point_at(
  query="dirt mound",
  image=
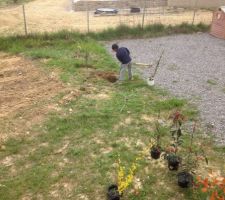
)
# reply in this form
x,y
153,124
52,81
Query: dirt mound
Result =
x,y
109,76
25,93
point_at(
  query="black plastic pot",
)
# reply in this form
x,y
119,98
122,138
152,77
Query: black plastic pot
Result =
x,y
155,152
113,193
173,162
185,179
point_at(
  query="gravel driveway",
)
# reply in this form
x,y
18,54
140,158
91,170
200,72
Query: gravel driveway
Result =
x,y
193,67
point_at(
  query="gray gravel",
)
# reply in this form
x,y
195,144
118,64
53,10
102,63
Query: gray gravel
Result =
x,y
193,67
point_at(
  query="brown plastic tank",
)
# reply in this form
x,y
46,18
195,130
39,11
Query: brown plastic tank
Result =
x,y
218,23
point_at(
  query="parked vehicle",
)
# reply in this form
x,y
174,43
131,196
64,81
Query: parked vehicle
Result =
x,y
106,11
135,10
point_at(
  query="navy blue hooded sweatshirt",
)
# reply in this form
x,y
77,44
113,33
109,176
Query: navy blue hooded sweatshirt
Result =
x,y
123,55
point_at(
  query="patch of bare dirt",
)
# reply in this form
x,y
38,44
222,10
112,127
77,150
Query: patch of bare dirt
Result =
x,y
101,96
148,118
69,97
128,142
106,150
7,161
63,149
109,76
83,197
89,90
23,84
126,122
26,95
62,188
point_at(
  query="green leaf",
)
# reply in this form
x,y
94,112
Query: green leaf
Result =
x,y
179,133
206,160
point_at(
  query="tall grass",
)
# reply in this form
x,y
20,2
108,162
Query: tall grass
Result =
x,y
10,2
120,32
154,30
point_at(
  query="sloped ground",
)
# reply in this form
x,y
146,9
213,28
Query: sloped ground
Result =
x,y
73,152
193,67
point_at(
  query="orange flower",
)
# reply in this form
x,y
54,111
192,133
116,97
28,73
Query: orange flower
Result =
x,y
199,179
215,181
204,190
212,196
213,185
206,183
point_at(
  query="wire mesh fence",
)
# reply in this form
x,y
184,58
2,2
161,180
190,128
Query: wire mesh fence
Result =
x,y
52,16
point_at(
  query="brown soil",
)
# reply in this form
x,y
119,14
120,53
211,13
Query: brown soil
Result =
x,y
109,76
26,93
23,84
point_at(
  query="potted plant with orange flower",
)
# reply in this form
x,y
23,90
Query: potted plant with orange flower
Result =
x,y
213,186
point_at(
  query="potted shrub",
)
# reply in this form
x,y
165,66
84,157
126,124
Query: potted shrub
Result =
x,y
155,152
113,192
156,149
184,179
194,155
173,161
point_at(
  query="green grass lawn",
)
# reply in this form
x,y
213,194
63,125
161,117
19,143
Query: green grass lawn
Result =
x,y
73,155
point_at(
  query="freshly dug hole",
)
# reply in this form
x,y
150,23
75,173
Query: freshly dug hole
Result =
x,y
109,76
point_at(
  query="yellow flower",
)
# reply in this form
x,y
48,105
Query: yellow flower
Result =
x,y
124,181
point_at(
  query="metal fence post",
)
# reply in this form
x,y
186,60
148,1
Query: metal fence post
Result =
x,y
143,17
194,14
24,19
88,20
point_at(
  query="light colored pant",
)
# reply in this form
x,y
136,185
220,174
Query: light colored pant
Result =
x,y
123,69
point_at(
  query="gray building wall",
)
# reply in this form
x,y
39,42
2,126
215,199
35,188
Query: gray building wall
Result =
x,y
120,4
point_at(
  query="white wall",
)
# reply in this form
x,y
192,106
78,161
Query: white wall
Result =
x,y
200,3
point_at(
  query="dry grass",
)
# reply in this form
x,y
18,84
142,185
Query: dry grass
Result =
x,y
52,16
